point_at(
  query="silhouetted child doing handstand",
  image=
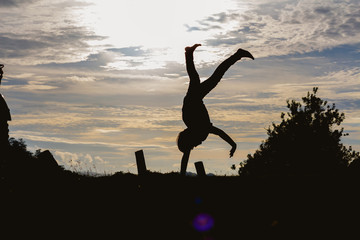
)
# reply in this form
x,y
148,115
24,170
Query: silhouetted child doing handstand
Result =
x,y
194,112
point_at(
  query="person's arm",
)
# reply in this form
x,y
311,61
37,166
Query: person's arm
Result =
x,y
225,137
184,162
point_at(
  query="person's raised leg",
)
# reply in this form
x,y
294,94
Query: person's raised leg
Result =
x,y
190,67
192,48
219,72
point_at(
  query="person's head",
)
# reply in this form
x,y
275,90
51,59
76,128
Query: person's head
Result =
x,y
188,139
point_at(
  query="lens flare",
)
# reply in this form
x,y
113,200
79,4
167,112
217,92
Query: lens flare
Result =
x,y
198,200
203,222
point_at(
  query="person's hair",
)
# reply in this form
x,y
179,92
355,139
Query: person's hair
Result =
x,y
184,140
188,139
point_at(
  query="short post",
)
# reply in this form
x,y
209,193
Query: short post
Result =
x,y
140,162
200,169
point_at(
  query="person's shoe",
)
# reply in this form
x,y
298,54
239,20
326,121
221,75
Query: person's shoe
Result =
x,y
243,53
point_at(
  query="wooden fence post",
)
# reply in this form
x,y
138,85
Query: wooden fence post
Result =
x,y
200,169
140,162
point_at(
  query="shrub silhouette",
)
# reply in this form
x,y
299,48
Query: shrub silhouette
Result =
x,y
18,162
307,141
19,146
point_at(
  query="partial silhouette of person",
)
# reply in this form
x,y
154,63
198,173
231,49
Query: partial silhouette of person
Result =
x,y
4,118
1,72
194,112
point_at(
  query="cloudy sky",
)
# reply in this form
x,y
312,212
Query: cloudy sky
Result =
x,y
95,81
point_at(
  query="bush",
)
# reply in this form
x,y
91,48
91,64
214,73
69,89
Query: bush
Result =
x,y
307,141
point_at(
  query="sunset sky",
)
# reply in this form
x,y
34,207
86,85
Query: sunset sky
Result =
x,y
95,81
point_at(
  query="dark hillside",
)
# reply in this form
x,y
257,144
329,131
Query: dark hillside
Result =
x,y
165,206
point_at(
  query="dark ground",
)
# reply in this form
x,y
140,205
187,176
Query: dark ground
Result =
x,y
164,206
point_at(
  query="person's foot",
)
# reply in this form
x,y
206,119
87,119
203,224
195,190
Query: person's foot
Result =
x,y
243,53
192,49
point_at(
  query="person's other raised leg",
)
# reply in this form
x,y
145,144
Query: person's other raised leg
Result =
x,y
219,72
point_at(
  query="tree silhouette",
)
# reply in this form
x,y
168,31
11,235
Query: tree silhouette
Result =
x,y
307,141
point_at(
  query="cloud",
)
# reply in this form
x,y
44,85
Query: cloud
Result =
x,y
79,161
215,21
137,51
15,3
35,37
93,62
7,3
191,28
287,27
65,157
81,79
16,47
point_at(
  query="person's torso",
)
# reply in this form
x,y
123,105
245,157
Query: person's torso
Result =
x,y
195,114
